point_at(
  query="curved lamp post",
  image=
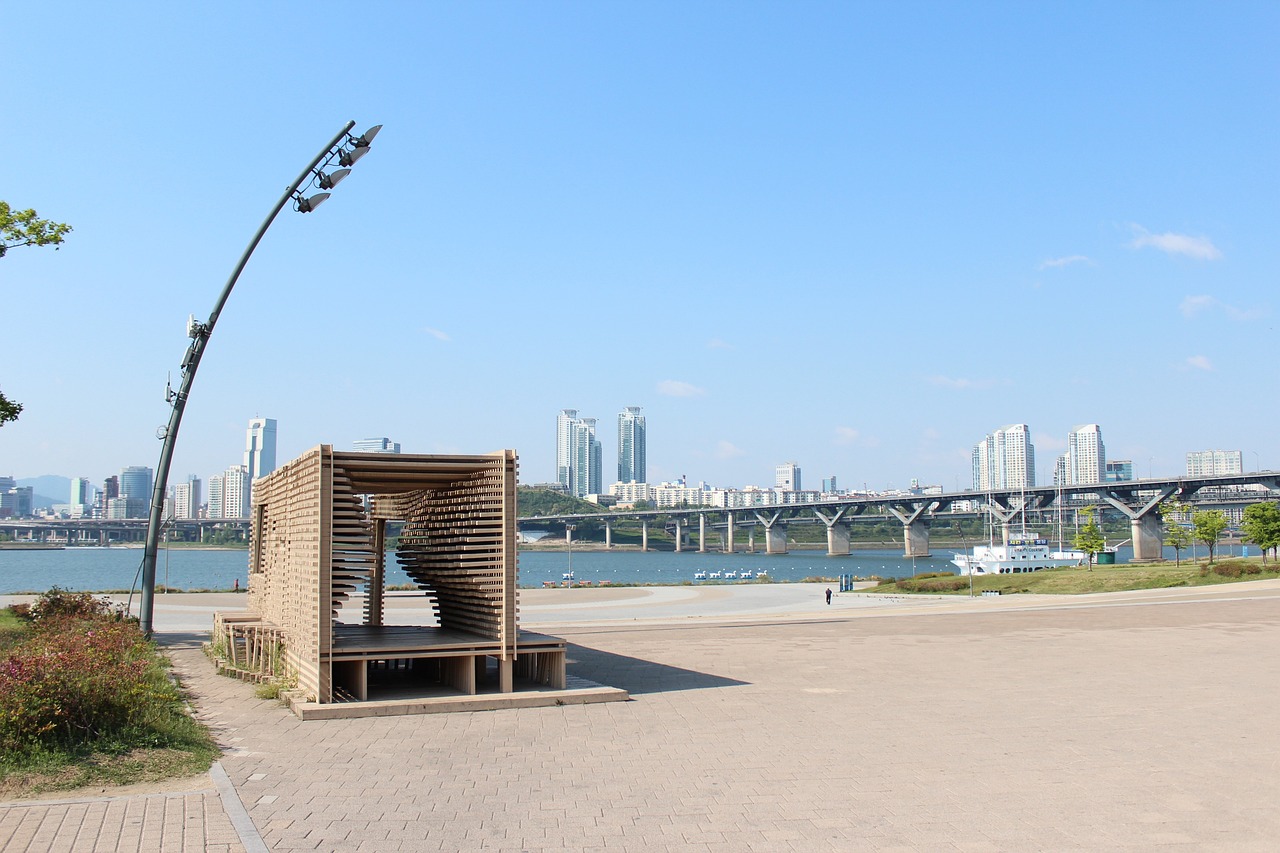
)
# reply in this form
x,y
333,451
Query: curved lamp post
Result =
x,y
344,150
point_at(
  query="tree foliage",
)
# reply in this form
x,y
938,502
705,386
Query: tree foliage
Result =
x,y
1207,526
1176,536
1261,525
9,409
1089,537
25,228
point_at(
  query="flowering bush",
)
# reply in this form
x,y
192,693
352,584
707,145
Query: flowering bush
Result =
x,y
81,675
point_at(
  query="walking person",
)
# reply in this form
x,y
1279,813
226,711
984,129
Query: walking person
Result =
x,y
828,596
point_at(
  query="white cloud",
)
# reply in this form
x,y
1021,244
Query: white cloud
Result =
x,y
728,450
1064,261
960,383
1199,248
846,435
1199,362
1193,305
437,334
676,388
716,343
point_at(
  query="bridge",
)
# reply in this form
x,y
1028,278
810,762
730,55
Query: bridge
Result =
x,y
1136,500
104,531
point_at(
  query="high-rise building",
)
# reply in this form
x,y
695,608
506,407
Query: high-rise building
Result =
x,y
1086,456
135,485
564,447
186,498
215,497
829,486
237,489
631,446
376,445
260,449
1005,459
81,500
787,477
1214,463
579,460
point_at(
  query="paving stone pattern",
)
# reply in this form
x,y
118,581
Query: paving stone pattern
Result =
x,y
1124,723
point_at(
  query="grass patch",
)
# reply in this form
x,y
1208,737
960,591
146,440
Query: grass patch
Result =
x,y
1079,581
86,699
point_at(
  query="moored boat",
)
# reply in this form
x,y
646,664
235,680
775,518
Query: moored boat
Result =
x,y
1024,553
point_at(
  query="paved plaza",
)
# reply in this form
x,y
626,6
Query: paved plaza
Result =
x,y
762,719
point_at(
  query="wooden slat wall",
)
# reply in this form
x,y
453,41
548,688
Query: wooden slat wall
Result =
x,y
313,544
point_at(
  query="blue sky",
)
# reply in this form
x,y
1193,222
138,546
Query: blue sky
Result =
x,y
856,236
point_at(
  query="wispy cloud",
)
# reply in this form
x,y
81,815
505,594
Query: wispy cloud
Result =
x,y
1198,248
728,450
1067,261
716,343
1199,362
960,383
676,388
437,334
846,435
1193,305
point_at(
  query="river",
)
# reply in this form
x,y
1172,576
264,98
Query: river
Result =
x,y
97,569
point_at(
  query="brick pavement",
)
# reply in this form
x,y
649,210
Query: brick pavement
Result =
x,y
1132,722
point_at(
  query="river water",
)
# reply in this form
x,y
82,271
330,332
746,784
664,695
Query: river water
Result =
x,y
97,569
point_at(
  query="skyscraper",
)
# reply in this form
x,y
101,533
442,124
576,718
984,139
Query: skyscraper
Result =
x,y
135,484
215,497
376,445
186,498
787,477
1005,459
260,449
564,447
1085,461
631,446
578,454
237,489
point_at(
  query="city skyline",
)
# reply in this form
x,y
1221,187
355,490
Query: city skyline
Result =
x,y
705,168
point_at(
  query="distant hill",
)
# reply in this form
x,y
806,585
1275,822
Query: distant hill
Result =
x,y
543,502
49,489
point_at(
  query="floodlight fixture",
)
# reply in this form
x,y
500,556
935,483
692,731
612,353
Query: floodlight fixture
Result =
x,y
310,203
350,158
329,181
366,139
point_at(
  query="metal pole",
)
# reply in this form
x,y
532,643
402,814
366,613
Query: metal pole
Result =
x,y
190,362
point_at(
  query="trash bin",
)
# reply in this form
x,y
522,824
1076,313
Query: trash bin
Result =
x,y
1106,558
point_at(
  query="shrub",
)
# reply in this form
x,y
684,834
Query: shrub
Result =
x,y
79,678
62,603
943,583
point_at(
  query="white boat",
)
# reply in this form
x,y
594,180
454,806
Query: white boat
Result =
x,y
1024,553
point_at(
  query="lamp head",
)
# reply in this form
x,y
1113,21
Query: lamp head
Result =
x,y
350,158
328,182
306,205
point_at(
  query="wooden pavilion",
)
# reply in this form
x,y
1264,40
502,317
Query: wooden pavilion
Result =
x,y
317,546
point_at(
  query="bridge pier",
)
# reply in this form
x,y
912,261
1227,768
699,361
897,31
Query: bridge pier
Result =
x,y
775,534
644,535
915,527
608,535
728,533
679,534
702,533
837,533
751,540
1145,524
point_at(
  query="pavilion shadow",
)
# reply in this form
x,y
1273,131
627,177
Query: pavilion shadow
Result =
x,y
638,676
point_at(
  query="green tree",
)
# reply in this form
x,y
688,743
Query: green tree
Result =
x,y
9,410
1089,537
24,228
1176,536
1207,526
1261,525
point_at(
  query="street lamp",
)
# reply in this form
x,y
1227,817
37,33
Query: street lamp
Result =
x,y
568,541
344,149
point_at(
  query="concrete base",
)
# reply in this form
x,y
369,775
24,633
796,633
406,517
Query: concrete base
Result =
x,y
579,692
